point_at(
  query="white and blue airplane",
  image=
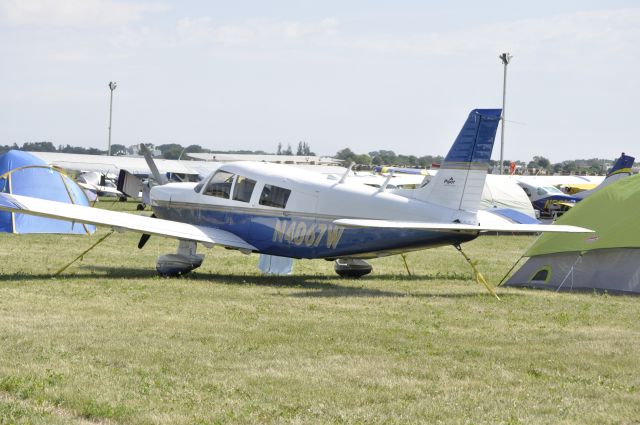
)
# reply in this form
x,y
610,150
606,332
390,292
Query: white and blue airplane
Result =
x,y
282,211
552,202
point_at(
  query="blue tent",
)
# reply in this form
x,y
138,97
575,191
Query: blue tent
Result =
x,y
24,174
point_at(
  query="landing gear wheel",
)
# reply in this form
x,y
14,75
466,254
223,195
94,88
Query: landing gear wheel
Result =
x,y
352,268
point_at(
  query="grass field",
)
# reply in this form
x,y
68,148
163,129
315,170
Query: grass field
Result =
x,y
110,342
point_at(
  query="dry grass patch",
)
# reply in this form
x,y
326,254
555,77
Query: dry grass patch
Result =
x,y
111,342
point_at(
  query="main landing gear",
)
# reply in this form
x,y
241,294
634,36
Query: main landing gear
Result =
x,y
352,267
182,262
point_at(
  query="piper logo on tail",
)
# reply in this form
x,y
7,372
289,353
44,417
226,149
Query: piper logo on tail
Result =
x,y
450,181
299,233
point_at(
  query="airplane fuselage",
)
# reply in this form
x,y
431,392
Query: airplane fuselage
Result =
x,y
303,225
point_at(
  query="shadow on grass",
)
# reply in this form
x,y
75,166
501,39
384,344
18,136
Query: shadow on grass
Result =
x,y
313,285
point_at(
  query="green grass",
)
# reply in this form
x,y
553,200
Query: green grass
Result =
x,y
110,342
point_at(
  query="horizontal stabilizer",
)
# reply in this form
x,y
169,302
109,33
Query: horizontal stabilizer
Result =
x,y
121,221
446,227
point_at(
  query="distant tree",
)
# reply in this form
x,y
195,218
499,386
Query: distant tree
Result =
x,y
362,159
557,168
39,147
288,150
117,149
195,149
171,150
384,157
569,167
304,149
6,148
345,154
279,151
542,162
173,153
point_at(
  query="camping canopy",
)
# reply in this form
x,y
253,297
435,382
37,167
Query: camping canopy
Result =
x,y
503,192
612,212
607,260
23,174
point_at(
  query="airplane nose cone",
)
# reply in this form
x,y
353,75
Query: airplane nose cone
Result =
x,y
159,193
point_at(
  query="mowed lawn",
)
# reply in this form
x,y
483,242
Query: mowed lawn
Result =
x,y
110,342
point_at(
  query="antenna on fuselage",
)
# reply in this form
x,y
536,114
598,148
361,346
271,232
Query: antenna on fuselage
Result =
x,y
386,182
346,173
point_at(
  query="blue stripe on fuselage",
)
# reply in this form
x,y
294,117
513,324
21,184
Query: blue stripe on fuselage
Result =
x,y
309,237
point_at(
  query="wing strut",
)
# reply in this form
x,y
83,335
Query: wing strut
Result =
x,y
83,253
479,278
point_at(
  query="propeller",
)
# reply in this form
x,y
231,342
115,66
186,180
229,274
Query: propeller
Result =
x,y
145,237
160,178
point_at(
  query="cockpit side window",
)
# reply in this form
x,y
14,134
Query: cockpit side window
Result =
x,y
219,185
243,189
274,196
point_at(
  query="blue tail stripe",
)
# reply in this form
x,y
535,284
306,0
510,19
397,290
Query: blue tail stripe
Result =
x,y
475,141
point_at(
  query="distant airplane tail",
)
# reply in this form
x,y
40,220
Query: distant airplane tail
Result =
x,y
460,179
621,169
623,165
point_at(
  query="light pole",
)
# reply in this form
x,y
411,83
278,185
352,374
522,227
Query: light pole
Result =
x,y
506,58
112,87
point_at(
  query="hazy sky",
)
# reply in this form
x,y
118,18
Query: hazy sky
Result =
x,y
367,75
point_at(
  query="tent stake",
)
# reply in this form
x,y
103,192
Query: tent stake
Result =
x,y
479,278
83,253
406,266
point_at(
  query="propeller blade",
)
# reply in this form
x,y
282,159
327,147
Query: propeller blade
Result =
x,y
145,237
161,179
143,240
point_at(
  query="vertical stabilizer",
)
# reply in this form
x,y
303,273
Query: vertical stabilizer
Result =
x,y
622,166
460,180
621,169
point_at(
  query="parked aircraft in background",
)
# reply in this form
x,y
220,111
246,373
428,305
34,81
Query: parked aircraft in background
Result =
x,y
282,211
96,184
552,202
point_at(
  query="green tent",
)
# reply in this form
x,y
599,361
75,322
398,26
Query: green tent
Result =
x,y
607,260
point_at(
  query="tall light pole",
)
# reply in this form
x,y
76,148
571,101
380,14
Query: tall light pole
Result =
x,y
506,58
112,87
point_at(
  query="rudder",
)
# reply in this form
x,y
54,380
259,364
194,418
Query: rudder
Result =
x,y
460,180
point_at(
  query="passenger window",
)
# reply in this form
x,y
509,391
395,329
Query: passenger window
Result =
x,y
243,189
220,185
274,196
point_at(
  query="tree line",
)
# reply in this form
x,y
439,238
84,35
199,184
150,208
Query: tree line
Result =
x,y
379,157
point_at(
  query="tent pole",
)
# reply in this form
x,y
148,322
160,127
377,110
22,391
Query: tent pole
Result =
x,y
510,270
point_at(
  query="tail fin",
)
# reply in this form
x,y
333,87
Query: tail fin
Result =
x,y
460,180
622,165
621,169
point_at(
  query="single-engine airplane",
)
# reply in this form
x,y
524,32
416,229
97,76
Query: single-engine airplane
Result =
x,y
282,211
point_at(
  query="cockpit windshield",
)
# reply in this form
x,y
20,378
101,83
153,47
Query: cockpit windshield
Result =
x,y
220,185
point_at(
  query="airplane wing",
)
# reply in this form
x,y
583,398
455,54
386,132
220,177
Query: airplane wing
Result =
x,y
444,227
121,221
566,204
